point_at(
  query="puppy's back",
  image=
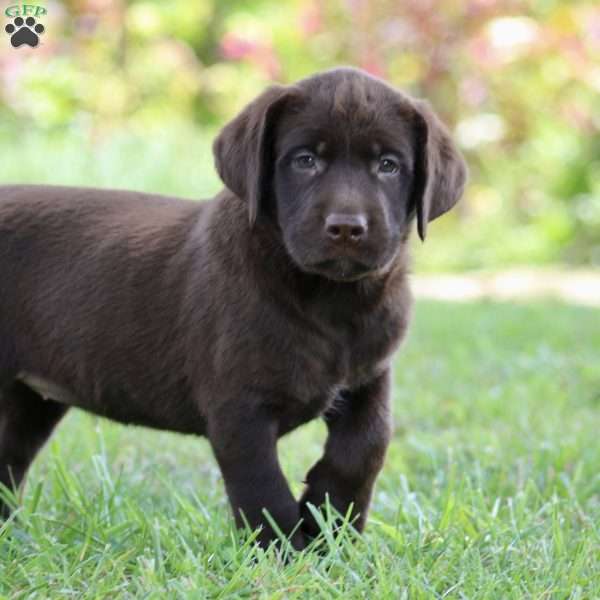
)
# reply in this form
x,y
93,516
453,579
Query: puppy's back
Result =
x,y
82,269
26,209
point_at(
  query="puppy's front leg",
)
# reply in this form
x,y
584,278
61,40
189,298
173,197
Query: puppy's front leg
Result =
x,y
244,440
359,432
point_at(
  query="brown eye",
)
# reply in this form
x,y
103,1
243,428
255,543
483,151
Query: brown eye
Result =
x,y
388,165
305,161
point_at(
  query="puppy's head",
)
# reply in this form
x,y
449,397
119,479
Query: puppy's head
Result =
x,y
342,163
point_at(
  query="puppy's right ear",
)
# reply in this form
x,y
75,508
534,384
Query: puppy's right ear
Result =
x,y
242,149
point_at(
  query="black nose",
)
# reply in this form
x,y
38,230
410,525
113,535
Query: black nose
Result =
x,y
343,228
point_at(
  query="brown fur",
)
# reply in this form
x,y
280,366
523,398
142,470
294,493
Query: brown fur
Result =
x,y
240,318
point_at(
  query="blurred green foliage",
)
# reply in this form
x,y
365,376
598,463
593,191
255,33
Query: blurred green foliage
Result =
x,y
517,80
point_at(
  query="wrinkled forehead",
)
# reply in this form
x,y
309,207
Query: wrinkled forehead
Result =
x,y
347,111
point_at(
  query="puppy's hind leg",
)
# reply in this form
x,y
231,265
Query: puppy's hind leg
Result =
x,y
26,422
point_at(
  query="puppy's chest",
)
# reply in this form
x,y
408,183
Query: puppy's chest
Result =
x,y
334,361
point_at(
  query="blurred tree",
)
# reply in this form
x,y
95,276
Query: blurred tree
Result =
x,y
518,80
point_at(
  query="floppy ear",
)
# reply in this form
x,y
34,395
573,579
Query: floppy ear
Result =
x,y
442,171
241,150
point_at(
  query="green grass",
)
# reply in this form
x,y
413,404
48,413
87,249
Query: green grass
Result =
x,y
170,161
491,488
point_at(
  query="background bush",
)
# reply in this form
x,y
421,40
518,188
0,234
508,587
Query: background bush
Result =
x,y
122,91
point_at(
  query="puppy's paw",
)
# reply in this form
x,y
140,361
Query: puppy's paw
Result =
x,y
268,538
319,507
310,527
323,508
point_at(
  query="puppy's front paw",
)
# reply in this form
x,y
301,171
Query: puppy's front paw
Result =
x,y
310,527
318,494
268,537
334,500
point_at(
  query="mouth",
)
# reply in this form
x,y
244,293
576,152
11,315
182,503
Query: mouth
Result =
x,y
340,269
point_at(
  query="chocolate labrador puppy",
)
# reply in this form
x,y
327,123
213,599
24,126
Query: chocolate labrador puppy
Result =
x,y
241,318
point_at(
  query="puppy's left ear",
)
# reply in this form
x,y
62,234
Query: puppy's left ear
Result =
x,y
441,169
242,149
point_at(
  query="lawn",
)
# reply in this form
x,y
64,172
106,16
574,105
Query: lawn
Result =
x,y
491,487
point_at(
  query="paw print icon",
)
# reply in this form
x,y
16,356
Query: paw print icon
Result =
x,y
24,32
